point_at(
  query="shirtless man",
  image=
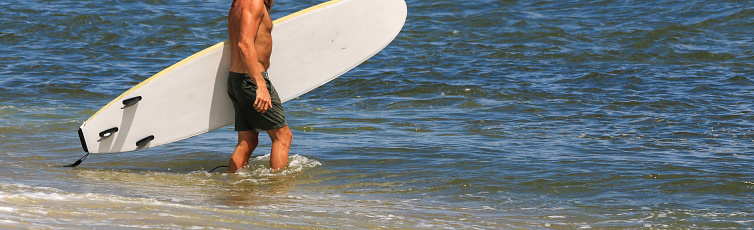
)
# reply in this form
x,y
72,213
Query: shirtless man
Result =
x,y
257,108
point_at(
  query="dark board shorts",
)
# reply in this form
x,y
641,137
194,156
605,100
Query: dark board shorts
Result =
x,y
243,92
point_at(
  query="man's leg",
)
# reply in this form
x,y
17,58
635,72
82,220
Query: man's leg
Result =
x,y
247,142
281,144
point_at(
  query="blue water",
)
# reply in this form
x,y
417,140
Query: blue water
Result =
x,y
481,114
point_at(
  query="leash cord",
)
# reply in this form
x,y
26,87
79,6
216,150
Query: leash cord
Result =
x,y
78,162
221,166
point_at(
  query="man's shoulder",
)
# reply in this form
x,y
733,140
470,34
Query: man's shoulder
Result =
x,y
252,4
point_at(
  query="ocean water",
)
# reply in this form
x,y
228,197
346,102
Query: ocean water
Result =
x,y
483,114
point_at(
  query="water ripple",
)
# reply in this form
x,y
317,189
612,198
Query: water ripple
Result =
x,y
481,114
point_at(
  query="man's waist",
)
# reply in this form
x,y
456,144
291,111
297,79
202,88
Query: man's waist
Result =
x,y
236,74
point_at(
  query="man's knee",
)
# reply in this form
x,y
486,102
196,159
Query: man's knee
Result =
x,y
248,138
282,136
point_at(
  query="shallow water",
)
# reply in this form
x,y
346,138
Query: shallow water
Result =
x,y
481,114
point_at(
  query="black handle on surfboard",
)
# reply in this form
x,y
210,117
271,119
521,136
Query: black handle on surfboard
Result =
x,y
144,142
107,133
131,101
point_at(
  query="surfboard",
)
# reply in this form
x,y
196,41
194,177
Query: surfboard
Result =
x,y
310,48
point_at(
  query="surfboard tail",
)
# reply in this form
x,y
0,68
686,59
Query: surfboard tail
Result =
x,y
83,141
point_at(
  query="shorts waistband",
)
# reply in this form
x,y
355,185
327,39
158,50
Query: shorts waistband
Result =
x,y
234,74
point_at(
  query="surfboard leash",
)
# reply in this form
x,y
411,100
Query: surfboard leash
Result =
x,y
78,162
221,166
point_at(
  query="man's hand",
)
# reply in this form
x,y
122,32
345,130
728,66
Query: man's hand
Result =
x,y
263,101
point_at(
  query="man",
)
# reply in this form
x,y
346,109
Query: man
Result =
x,y
256,103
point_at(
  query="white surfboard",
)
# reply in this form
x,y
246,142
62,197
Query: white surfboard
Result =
x,y
310,48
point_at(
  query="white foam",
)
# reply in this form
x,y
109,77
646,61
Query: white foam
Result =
x,y
9,222
47,196
296,163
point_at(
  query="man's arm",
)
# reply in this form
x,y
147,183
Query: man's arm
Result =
x,y
251,18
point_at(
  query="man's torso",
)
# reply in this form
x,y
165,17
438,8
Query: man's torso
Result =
x,y
262,43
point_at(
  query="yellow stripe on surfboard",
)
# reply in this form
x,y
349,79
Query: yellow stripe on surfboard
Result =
x,y
207,50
